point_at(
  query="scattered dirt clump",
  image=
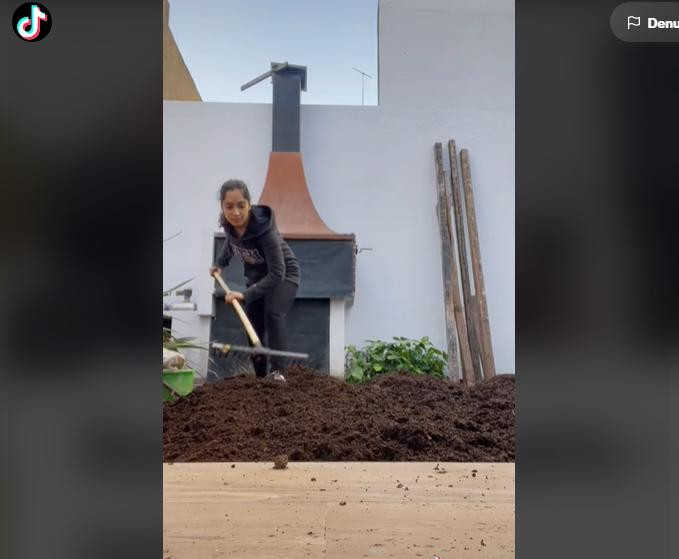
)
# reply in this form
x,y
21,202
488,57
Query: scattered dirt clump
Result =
x,y
314,417
280,462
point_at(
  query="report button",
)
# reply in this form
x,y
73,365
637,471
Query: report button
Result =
x,y
646,22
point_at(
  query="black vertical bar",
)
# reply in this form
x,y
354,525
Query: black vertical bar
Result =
x,y
286,102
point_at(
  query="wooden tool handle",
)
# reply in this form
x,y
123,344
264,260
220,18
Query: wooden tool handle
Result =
x,y
254,338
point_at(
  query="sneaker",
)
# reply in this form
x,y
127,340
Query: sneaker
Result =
x,y
275,376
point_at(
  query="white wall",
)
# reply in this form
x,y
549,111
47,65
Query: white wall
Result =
x,y
370,172
447,53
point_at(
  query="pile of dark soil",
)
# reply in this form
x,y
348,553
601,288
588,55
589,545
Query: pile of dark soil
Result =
x,y
314,417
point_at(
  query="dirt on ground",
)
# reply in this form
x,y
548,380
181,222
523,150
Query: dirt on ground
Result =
x,y
314,417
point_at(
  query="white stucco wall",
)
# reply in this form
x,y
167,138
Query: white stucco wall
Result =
x,y
447,53
370,172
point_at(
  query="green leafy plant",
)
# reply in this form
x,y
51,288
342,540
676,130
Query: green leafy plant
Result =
x,y
418,357
175,344
170,341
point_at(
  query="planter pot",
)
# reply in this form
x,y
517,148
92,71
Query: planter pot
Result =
x,y
177,383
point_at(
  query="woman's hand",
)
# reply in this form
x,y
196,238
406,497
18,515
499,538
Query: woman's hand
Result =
x,y
234,296
214,270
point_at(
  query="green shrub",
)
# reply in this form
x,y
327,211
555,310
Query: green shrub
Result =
x,y
402,355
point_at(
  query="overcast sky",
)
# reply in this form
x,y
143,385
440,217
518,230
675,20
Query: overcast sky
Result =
x,y
226,43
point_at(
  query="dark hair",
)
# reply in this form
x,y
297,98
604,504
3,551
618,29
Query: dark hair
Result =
x,y
228,186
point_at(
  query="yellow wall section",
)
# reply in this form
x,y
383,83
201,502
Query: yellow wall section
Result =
x,y
178,85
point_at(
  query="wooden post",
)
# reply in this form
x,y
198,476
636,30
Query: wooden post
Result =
x,y
473,333
458,307
453,306
487,359
474,313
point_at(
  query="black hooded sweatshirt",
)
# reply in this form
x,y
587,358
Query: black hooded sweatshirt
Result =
x,y
267,258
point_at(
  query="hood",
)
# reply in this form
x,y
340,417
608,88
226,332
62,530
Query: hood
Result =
x,y
261,221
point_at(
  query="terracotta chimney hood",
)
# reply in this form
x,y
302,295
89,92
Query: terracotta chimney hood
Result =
x,y
285,187
286,191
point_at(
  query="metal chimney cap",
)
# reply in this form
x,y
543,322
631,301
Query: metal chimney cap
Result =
x,y
285,68
280,68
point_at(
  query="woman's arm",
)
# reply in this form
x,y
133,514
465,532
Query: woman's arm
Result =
x,y
275,263
224,257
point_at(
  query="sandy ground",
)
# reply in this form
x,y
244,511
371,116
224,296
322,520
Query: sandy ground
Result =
x,y
351,510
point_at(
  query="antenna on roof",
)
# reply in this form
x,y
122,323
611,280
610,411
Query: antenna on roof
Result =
x,y
363,76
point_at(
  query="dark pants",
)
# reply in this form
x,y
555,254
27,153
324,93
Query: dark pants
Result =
x,y
267,315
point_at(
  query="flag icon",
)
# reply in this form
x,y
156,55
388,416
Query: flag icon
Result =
x,y
633,21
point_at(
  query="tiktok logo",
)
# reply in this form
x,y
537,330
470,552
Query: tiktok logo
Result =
x,y
32,22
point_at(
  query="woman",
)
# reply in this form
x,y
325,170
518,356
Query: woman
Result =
x,y
271,269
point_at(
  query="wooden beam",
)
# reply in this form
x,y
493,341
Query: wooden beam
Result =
x,y
474,314
473,334
458,306
487,359
453,304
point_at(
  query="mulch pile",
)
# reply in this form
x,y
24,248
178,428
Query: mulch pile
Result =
x,y
314,417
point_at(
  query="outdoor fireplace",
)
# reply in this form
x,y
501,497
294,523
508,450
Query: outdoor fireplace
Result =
x,y
327,259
